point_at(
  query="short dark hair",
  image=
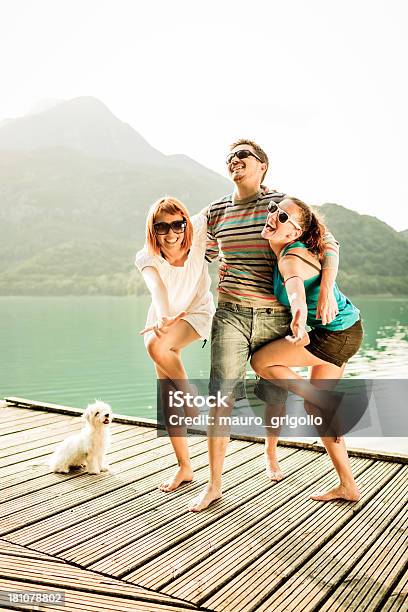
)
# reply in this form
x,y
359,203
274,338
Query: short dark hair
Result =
x,y
258,150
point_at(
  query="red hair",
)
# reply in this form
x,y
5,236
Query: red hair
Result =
x,y
171,206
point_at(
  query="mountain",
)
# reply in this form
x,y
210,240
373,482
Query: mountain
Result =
x,y
83,124
75,186
373,256
404,234
43,105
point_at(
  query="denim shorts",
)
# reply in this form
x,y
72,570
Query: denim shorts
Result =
x,y
237,332
335,346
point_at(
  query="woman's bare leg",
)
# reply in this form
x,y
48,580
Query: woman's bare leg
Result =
x,y
165,352
274,361
265,363
178,439
336,448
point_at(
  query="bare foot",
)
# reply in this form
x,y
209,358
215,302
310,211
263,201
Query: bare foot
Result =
x,y
183,474
205,498
272,468
341,492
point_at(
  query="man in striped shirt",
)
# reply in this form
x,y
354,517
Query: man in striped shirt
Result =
x,y
248,315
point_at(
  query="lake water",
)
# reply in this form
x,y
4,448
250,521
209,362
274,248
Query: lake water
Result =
x,y
70,350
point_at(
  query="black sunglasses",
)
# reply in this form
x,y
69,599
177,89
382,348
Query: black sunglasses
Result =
x,y
282,215
163,228
242,154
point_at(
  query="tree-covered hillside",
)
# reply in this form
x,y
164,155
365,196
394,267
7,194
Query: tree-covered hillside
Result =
x,y
75,186
373,256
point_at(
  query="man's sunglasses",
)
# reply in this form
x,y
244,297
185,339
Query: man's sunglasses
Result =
x,y
282,215
163,228
242,154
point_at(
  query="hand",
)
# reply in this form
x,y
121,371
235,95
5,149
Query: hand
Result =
x,y
327,307
163,324
300,336
222,270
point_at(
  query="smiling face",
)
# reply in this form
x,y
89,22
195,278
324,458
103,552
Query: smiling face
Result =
x,y
170,242
283,233
248,170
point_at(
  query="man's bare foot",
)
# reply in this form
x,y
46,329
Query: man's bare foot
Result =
x,y
272,468
205,498
341,492
183,474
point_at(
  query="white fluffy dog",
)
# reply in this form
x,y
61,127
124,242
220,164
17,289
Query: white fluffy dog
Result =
x,y
89,446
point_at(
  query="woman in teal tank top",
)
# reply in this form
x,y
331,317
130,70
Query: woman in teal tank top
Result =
x,y
347,313
295,234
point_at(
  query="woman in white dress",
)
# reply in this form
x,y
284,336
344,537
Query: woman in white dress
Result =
x,y
175,271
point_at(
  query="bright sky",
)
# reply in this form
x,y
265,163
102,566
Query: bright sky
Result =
x,y
319,84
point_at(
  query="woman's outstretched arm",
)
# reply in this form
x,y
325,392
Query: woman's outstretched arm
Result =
x,y
158,291
293,275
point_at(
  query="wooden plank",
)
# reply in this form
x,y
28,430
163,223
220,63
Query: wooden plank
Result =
x,y
43,406
69,410
84,601
147,547
287,501
72,492
32,449
13,411
367,585
61,575
114,499
41,434
51,484
51,424
10,415
8,548
152,507
147,526
146,422
30,424
122,447
397,600
332,561
25,460
265,555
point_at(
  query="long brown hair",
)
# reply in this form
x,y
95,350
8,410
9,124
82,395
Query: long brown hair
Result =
x,y
313,228
172,206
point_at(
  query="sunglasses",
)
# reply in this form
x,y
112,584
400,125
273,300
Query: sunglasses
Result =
x,y
242,154
282,215
163,228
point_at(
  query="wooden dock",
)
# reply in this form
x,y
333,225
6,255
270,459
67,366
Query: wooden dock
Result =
x,y
114,542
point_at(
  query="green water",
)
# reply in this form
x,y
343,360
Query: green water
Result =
x,y
70,350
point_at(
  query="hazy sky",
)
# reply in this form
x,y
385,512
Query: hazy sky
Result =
x,y
319,84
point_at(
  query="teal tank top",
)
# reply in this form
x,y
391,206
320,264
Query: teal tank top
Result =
x,y
348,314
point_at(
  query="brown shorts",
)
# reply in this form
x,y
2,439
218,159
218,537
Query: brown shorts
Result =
x,y
335,346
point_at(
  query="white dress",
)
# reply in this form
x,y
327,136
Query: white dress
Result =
x,y
188,286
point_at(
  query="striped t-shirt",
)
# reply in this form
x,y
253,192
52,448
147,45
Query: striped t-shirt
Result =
x,y
234,235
